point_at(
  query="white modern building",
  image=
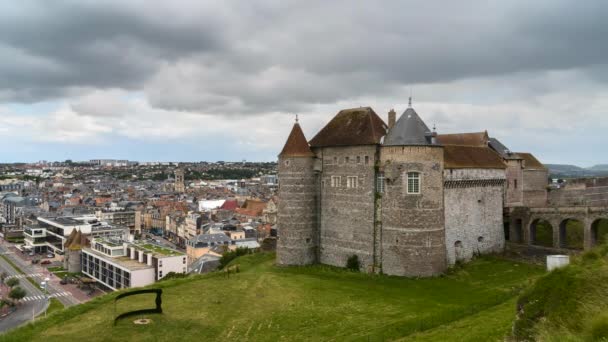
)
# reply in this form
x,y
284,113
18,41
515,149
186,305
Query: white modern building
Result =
x,y
51,233
118,264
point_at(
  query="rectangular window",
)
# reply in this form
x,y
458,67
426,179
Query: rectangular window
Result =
x,y
358,159
366,160
515,183
347,160
413,183
336,160
380,183
352,182
335,181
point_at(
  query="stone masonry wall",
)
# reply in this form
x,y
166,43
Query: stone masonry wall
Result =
x,y
513,194
535,188
297,220
347,213
473,213
413,235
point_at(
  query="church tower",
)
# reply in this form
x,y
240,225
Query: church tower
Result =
x,y
297,213
179,181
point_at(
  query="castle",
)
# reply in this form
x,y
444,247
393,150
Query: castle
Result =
x,y
403,199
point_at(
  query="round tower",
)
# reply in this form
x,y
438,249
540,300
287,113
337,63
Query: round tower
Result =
x,y
297,215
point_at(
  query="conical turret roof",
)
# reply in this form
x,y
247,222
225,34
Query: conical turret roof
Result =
x,y
296,145
408,130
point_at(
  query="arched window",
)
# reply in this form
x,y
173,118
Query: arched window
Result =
x,y
413,182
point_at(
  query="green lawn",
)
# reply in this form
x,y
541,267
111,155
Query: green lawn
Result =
x,y
264,302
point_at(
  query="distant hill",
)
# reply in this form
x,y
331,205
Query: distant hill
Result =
x,y
564,168
599,167
572,171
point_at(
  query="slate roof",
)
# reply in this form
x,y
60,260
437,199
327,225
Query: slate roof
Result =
x,y
350,127
501,149
296,145
408,130
530,162
471,157
478,139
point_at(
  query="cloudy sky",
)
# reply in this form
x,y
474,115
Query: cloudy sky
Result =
x,y
221,80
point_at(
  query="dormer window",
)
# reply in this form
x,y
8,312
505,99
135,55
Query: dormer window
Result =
x,y
413,183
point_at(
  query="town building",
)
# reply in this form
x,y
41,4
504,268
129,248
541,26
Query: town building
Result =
x,y
117,264
51,233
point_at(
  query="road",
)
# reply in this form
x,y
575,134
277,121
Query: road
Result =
x,y
39,274
26,310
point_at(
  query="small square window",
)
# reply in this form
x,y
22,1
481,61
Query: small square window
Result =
x,y
413,183
352,182
335,181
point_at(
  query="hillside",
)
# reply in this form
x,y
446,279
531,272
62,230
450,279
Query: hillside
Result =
x,y
569,304
264,302
599,167
573,171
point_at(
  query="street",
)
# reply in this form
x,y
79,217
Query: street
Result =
x,y
25,310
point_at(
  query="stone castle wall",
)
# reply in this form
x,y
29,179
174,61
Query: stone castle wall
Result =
x,y
347,213
535,187
473,212
514,173
297,212
413,235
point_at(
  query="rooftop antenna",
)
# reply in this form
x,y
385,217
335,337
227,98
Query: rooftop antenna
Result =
x,y
434,128
410,101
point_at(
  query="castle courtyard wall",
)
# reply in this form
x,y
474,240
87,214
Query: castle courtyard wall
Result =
x,y
473,212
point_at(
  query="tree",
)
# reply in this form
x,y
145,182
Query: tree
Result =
x,y
12,282
3,276
353,263
17,293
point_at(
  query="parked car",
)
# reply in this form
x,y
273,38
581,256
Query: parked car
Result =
x,y
64,281
45,262
50,255
35,261
32,254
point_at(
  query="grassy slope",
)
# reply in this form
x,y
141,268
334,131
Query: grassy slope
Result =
x,y
264,302
569,304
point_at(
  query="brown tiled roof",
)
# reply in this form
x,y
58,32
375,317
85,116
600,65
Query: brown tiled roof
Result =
x,y
470,157
355,126
255,205
530,162
478,139
296,145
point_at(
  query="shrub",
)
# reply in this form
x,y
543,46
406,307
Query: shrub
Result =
x,y
174,275
17,293
12,282
229,256
353,263
591,256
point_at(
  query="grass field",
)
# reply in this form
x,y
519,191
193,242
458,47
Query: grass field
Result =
x,y
264,302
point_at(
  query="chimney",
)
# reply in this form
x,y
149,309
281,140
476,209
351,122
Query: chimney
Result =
x,y
392,117
132,256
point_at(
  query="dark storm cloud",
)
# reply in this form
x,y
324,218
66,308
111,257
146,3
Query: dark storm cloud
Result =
x,y
285,55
